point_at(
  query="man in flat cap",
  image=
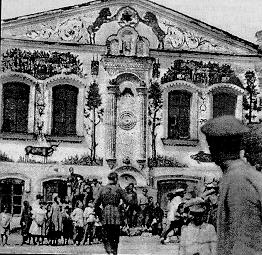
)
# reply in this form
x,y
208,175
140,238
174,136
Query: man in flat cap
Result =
x,y
239,209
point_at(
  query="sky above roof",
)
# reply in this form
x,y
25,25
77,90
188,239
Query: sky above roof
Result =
x,y
242,18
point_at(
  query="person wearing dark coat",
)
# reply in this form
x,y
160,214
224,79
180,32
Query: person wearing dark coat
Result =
x,y
131,209
239,226
158,215
109,197
25,222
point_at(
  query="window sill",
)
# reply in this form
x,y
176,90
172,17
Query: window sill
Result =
x,y
67,139
16,136
177,142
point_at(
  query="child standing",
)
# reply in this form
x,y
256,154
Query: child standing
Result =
x,y
5,219
67,225
78,221
37,227
25,222
89,221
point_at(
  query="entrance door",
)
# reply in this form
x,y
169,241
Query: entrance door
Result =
x,y
54,186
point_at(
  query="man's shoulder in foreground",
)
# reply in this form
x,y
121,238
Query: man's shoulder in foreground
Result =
x,y
242,169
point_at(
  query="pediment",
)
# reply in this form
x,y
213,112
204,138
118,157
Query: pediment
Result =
x,y
95,22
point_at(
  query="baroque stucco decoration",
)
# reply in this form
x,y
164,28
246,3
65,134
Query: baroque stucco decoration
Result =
x,y
128,43
179,37
127,120
82,28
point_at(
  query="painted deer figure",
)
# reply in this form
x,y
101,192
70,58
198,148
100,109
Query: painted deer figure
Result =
x,y
40,151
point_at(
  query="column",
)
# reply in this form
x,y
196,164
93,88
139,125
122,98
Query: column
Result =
x,y
110,125
142,95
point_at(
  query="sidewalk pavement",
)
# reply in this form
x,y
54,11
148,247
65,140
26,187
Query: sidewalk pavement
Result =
x,y
141,245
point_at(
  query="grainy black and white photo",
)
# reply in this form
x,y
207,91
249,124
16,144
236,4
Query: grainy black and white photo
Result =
x,y
131,127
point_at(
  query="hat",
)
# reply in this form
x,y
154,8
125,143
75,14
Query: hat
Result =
x,y
197,208
144,190
211,185
226,125
194,201
177,191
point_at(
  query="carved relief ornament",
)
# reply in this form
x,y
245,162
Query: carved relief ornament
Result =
x,y
117,65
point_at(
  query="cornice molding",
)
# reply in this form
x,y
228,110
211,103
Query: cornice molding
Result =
x,y
178,84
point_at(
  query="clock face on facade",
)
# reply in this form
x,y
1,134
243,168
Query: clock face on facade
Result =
x,y
127,120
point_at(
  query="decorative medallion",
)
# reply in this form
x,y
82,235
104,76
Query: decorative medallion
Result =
x,y
127,120
127,16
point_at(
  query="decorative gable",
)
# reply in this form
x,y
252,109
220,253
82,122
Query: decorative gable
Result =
x,y
94,24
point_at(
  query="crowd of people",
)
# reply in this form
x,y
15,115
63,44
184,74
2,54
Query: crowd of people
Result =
x,y
224,219
76,218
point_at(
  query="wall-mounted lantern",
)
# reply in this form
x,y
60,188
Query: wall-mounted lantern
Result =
x,y
156,67
95,67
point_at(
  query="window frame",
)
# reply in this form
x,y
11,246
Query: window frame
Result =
x,y
221,92
230,89
7,96
72,80
21,182
54,102
181,93
13,77
193,127
55,181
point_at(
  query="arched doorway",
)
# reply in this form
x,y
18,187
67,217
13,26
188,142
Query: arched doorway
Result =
x,y
51,187
126,179
11,194
128,174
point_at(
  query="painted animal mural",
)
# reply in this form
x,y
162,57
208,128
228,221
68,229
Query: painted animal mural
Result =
x,y
103,17
40,151
150,20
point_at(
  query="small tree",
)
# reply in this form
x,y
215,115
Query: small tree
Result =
x,y
154,106
250,100
94,113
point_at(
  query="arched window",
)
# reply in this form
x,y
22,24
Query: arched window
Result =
x,y
11,194
54,186
179,114
224,104
15,107
64,110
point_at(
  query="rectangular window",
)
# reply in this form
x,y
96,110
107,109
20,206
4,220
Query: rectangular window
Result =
x,y
11,195
64,110
179,114
15,112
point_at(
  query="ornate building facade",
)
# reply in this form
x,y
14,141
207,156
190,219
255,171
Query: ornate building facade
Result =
x,y
115,86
